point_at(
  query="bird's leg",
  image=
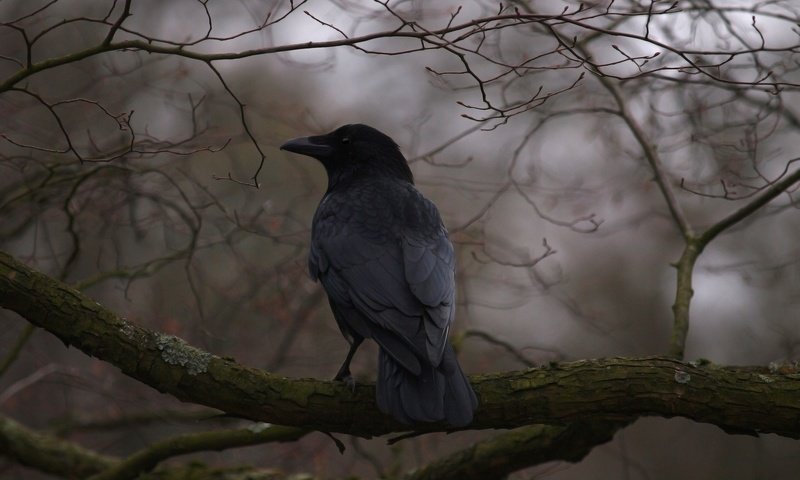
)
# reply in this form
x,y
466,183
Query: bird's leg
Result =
x,y
344,372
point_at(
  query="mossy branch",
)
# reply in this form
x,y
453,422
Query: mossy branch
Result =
x,y
47,453
147,458
508,452
50,454
741,399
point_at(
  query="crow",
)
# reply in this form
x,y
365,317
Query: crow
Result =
x,y
383,256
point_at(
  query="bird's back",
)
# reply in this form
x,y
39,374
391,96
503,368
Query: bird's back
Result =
x,y
381,252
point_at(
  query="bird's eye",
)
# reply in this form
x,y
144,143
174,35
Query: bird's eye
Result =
x,y
345,139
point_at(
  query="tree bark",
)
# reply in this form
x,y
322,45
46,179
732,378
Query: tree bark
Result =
x,y
47,453
508,452
737,399
66,459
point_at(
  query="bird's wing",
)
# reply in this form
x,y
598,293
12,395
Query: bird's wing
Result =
x,y
400,277
429,267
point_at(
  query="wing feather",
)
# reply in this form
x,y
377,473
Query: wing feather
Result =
x,y
396,268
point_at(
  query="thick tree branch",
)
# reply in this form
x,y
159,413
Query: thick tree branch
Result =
x,y
744,399
147,458
527,446
50,454
47,453
491,458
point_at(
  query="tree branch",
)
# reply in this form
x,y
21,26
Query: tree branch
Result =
x,y
765,197
147,458
50,454
653,158
743,399
695,246
683,297
47,453
527,446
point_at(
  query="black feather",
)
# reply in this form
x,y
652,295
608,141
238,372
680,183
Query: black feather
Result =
x,y
381,252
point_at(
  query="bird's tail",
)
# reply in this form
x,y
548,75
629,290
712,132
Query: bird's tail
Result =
x,y
436,394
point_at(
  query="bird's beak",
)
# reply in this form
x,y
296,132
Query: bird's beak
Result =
x,y
316,147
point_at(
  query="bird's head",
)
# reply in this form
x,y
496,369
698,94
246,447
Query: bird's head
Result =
x,y
354,150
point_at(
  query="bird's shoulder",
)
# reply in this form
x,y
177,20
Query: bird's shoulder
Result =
x,y
375,206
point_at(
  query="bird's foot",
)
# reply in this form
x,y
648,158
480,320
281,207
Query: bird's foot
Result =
x,y
348,380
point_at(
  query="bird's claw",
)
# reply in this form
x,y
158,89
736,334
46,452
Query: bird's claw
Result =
x,y
348,380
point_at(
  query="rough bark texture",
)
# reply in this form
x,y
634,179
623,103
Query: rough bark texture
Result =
x,y
66,459
47,453
737,399
508,452
147,458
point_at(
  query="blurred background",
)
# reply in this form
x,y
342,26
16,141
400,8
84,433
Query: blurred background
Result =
x,y
132,176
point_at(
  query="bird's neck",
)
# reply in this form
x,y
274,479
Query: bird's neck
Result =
x,y
348,175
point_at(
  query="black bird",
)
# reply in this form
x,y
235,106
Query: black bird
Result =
x,y
382,254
